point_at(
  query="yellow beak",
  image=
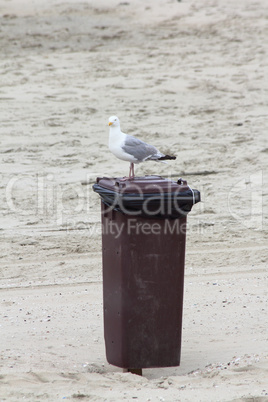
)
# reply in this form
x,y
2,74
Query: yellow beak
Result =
x,y
110,123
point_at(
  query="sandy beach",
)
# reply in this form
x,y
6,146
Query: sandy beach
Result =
x,y
187,77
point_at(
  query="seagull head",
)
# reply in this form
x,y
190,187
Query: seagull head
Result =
x,y
114,121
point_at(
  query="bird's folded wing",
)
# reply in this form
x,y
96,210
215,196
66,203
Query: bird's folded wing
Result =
x,y
140,150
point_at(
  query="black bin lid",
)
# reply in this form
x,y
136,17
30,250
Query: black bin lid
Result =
x,y
147,196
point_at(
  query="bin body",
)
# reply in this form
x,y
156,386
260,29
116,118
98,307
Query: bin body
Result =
x,y
143,277
142,290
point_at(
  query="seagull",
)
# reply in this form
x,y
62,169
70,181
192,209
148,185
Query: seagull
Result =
x,y
131,149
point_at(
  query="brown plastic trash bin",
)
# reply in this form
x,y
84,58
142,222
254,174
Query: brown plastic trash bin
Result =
x,y
143,248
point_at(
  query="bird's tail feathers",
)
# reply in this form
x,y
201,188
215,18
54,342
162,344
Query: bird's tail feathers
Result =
x,y
166,157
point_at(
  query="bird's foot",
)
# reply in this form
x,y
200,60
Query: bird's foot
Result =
x,y
124,178
127,178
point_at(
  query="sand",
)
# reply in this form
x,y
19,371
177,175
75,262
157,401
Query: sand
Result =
x,y
188,77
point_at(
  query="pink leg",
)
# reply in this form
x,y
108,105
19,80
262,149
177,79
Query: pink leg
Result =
x,y
133,174
131,171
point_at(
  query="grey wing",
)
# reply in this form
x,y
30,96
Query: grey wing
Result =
x,y
140,149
